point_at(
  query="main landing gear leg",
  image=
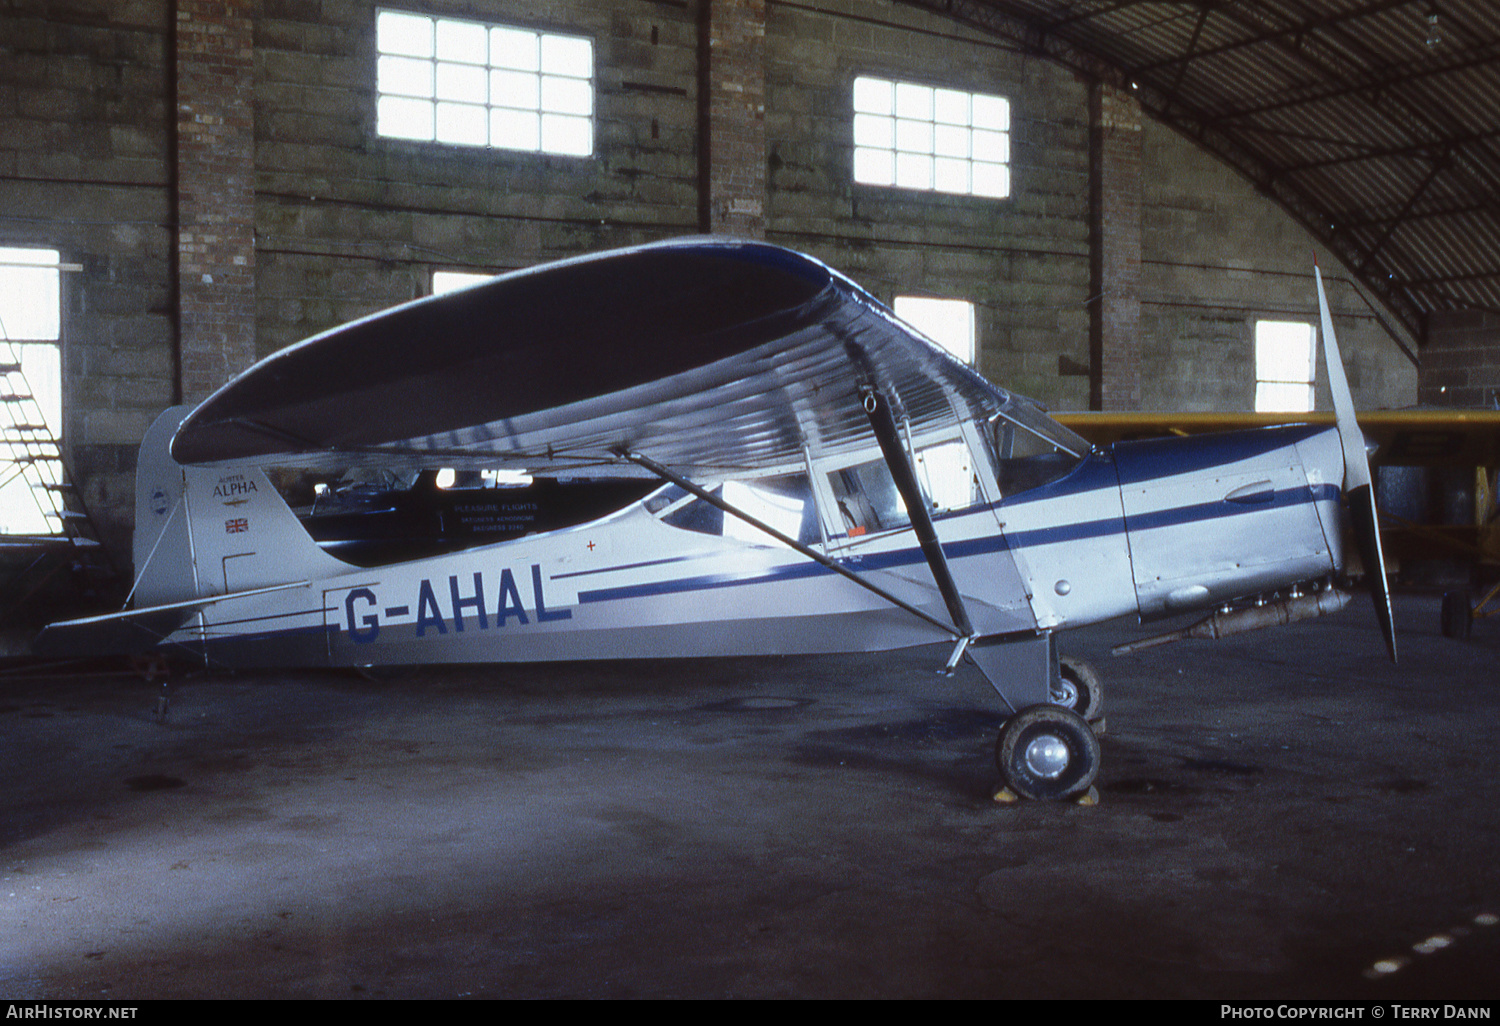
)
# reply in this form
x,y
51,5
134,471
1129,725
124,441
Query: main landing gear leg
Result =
x,y
1045,750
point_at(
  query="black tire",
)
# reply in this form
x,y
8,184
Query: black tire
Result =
x,y
1458,621
1047,752
1082,691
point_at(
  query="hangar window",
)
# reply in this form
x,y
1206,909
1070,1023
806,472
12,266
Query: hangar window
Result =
x,y
1284,367
911,136
467,83
452,281
31,380
948,322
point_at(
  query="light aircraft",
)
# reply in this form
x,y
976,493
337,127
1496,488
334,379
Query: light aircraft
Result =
x,y
801,473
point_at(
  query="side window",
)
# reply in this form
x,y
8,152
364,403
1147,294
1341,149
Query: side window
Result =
x,y
947,474
784,503
867,499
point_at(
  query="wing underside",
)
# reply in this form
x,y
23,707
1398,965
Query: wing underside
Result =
x,y
719,358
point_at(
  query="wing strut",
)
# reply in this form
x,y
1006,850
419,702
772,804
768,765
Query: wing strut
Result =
x,y
896,459
667,474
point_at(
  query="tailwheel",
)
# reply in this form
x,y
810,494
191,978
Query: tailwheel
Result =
x,y
1047,752
1079,689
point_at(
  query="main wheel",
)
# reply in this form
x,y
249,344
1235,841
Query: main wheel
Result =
x,y
1047,752
1079,689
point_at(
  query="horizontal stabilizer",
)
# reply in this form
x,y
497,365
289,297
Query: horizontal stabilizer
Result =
x,y
131,631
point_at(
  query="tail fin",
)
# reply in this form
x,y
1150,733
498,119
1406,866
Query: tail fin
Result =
x,y
209,531
163,549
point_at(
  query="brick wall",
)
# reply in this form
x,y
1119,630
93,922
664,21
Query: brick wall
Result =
x,y
734,139
1115,239
215,162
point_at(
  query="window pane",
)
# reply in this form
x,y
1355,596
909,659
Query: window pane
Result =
x,y
569,136
406,34
404,76
30,297
950,141
461,123
947,475
993,147
1282,397
770,506
463,82
950,106
1284,366
950,175
913,171
992,113
991,180
914,136
449,281
873,130
515,129
514,48
874,167
464,41
913,101
948,322
1283,351
515,89
566,96
566,55
874,96
403,118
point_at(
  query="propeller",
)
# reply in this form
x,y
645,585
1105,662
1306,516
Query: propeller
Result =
x,y
1358,488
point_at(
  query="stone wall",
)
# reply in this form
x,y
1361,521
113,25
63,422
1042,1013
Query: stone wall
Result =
x,y
1461,362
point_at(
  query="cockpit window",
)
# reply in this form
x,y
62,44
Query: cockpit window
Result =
x,y
1030,449
867,499
784,503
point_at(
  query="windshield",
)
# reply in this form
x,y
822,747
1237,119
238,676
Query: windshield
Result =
x,y
1029,448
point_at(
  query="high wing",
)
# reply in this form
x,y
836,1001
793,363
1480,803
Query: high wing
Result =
x,y
718,358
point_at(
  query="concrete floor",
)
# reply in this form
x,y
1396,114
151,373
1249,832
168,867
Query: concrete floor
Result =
x,y
1279,813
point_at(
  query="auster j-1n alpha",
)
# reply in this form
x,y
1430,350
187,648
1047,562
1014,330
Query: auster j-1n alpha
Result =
x,y
732,450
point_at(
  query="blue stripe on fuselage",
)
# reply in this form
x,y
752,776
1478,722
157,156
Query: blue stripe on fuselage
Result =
x,y
1153,458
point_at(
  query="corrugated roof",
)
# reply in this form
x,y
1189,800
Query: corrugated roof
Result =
x,y
1376,123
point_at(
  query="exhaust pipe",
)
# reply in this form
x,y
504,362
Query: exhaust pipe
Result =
x,y
1221,624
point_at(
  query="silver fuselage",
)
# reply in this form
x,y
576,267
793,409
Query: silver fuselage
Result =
x,y
1148,528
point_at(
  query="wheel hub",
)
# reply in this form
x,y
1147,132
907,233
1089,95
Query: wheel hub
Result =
x,y
1047,756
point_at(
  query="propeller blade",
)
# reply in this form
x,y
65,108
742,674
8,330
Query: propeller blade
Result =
x,y
1359,490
